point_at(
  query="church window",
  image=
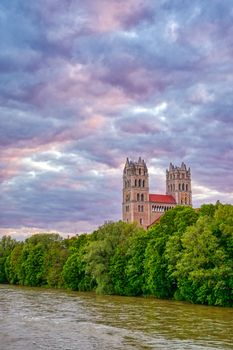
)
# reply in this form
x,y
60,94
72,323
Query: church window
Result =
x,y
143,183
187,187
179,187
142,197
139,183
138,197
139,171
135,183
182,176
173,187
141,208
182,187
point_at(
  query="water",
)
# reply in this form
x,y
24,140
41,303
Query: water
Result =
x,y
35,319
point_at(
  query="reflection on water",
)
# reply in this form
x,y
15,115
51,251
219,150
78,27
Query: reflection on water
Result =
x,y
52,319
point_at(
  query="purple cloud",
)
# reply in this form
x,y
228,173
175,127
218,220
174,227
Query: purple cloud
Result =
x,y
86,84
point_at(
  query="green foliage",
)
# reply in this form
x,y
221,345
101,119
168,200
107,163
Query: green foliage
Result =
x,y
188,255
205,269
7,244
13,265
74,271
207,210
54,261
105,255
134,270
33,265
164,249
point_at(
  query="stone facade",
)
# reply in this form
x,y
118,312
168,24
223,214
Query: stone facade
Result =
x,y
178,184
144,208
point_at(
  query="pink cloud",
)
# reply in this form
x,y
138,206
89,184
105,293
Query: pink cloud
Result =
x,y
107,16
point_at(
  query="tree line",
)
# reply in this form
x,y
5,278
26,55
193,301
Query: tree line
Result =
x,y
187,256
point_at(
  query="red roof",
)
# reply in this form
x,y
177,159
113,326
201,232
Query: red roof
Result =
x,y
162,198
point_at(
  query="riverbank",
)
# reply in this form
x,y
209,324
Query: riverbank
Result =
x,y
187,256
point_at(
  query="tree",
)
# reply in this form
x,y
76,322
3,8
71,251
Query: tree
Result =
x,y
34,267
13,264
54,260
74,271
163,251
134,270
101,250
7,244
204,272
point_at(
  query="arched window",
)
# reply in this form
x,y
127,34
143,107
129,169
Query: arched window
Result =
x,y
143,183
187,187
179,187
139,183
141,221
139,171
138,197
141,208
142,197
182,187
173,187
135,183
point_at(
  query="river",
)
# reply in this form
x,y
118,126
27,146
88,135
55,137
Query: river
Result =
x,y
34,319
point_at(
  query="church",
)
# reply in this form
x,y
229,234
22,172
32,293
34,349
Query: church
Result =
x,y
139,205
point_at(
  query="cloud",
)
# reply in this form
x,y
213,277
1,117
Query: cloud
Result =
x,y
86,84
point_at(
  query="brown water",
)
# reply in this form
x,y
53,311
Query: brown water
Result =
x,y
35,319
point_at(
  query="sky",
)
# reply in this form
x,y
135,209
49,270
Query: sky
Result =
x,y
85,84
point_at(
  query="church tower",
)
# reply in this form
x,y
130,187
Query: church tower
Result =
x,y
178,184
135,206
